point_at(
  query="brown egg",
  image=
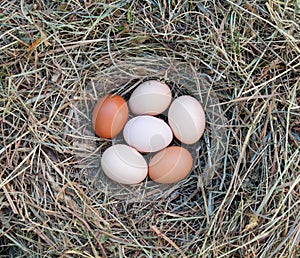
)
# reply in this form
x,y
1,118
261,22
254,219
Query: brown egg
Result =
x,y
109,116
170,165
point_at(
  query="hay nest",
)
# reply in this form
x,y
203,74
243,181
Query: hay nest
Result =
x,y
122,77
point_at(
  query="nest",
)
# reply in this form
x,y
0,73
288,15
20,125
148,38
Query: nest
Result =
x,y
121,78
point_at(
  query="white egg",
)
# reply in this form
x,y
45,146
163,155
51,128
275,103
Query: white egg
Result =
x,y
124,164
147,133
150,98
187,119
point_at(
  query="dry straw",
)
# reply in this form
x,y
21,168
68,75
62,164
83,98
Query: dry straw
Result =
x,y
58,57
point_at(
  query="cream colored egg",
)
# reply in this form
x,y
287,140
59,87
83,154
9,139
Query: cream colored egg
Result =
x,y
150,98
187,119
124,164
147,133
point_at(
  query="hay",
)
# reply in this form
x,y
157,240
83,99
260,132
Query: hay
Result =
x,y
52,55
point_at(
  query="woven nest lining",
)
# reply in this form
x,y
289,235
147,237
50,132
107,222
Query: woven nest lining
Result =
x,y
121,78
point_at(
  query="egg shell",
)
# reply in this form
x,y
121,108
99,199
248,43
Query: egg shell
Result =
x,y
124,164
147,133
109,116
186,118
170,165
150,98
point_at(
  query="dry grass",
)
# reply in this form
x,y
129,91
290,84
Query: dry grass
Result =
x,y
51,52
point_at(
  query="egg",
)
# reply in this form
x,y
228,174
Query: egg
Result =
x,y
186,118
170,165
124,164
109,116
147,133
150,98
